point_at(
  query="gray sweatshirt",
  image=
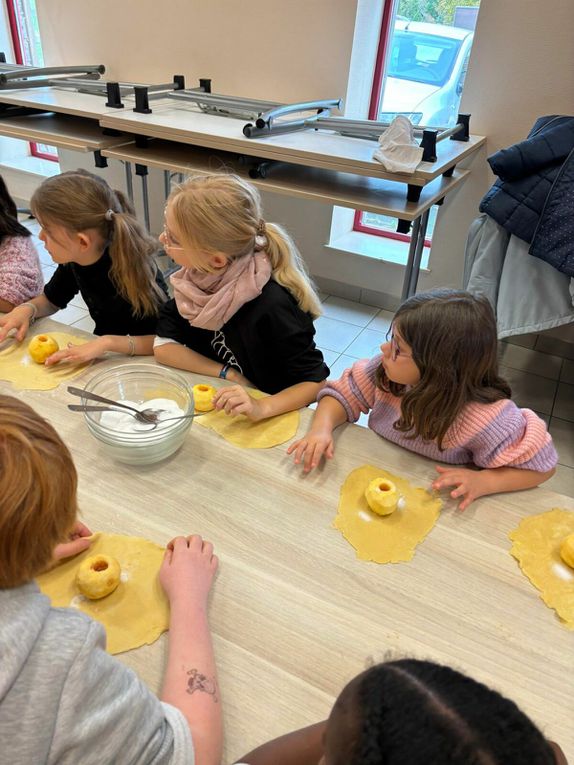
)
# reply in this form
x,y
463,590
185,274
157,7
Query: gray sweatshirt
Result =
x,y
64,700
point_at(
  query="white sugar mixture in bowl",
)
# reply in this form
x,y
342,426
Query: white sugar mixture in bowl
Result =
x,y
124,422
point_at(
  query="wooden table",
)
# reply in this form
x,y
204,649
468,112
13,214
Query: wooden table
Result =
x,y
295,615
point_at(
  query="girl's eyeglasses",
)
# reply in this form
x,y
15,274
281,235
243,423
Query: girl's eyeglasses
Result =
x,y
168,241
395,350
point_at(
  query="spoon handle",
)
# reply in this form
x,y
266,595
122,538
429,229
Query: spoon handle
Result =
x,y
101,399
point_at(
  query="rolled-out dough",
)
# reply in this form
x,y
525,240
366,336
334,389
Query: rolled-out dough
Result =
x,y
17,366
536,547
390,538
137,611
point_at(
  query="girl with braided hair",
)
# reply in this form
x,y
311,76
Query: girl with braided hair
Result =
x,y
243,304
411,712
103,253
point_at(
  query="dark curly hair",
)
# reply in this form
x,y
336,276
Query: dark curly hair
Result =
x,y
453,339
411,712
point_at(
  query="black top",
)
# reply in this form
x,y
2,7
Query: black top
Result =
x,y
269,340
112,313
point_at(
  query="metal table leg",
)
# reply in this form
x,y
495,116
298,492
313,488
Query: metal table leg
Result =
x,y
129,181
412,288
411,258
142,171
166,183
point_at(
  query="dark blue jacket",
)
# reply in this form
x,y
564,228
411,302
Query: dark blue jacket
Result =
x,y
533,198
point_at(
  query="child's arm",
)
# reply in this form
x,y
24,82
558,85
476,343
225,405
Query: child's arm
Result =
x,y
190,681
236,400
21,317
471,484
302,747
180,357
129,345
319,440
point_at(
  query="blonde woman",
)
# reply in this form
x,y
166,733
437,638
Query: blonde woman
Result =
x,y
243,306
101,252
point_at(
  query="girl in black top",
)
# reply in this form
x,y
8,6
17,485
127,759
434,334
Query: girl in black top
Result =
x,y
244,306
103,253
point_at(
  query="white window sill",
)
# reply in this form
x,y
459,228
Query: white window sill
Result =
x,y
34,165
376,247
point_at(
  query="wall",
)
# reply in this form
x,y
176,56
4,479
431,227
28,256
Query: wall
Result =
x,y
521,67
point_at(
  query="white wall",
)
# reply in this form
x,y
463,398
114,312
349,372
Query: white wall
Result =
x,y
521,67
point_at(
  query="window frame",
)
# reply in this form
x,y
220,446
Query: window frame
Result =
x,y
15,35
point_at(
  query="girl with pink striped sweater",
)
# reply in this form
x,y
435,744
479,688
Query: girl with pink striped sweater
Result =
x,y
436,391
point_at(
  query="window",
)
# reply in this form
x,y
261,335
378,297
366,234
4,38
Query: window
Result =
x,y
25,34
421,64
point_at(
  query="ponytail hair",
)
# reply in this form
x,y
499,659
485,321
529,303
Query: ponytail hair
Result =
x,y
81,201
222,213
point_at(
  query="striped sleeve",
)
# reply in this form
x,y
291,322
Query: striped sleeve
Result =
x,y
355,390
506,436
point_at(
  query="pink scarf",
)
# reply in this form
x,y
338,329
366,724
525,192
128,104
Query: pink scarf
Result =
x,y
208,301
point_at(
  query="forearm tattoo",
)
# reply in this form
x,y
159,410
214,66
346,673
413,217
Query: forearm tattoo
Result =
x,y
202,683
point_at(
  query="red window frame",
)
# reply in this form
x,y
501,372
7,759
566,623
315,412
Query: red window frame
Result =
x,y
384,39
35,151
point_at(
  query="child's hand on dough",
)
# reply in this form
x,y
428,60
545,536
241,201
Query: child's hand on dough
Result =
x,y
78,354
80,540
236,400
187,570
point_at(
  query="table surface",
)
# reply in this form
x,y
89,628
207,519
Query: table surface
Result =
x,y
182,122
294,614
61,130
327,186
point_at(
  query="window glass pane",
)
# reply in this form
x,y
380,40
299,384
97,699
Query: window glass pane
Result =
x,y
427,58
385,224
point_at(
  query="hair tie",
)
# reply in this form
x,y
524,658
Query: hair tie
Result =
x,y
261,241
109,214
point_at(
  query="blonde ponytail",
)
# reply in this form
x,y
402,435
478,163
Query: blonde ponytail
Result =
x,y
222,214
81,201
289,269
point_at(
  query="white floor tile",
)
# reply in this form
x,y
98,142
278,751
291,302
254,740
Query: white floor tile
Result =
x,y
562,481
530,391
382,321
562,433
349,311
334,335
79,302
367,344
87,324
322,296
342,363
564,404
329,356
70,314
530,361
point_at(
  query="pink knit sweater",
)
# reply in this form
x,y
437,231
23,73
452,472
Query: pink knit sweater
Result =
x,y
489,435
20,272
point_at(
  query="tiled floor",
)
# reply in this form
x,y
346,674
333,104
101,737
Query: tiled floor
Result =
x,y
540,371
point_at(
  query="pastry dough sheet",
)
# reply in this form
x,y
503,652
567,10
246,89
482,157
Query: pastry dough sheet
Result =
x,y
242,432
137,611
536,547
384,539
17,367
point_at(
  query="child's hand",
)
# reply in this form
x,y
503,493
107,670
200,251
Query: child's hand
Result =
x,y
314,446
79,541
470,484
78,354
187,570
236,400
18,319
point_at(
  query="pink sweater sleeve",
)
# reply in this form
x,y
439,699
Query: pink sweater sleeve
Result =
x,y
355,390
20,272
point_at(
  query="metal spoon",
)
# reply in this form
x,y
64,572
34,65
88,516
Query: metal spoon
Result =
x,y
89,408
151,416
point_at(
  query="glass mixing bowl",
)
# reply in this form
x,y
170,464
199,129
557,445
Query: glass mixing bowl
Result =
x,y
140,383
